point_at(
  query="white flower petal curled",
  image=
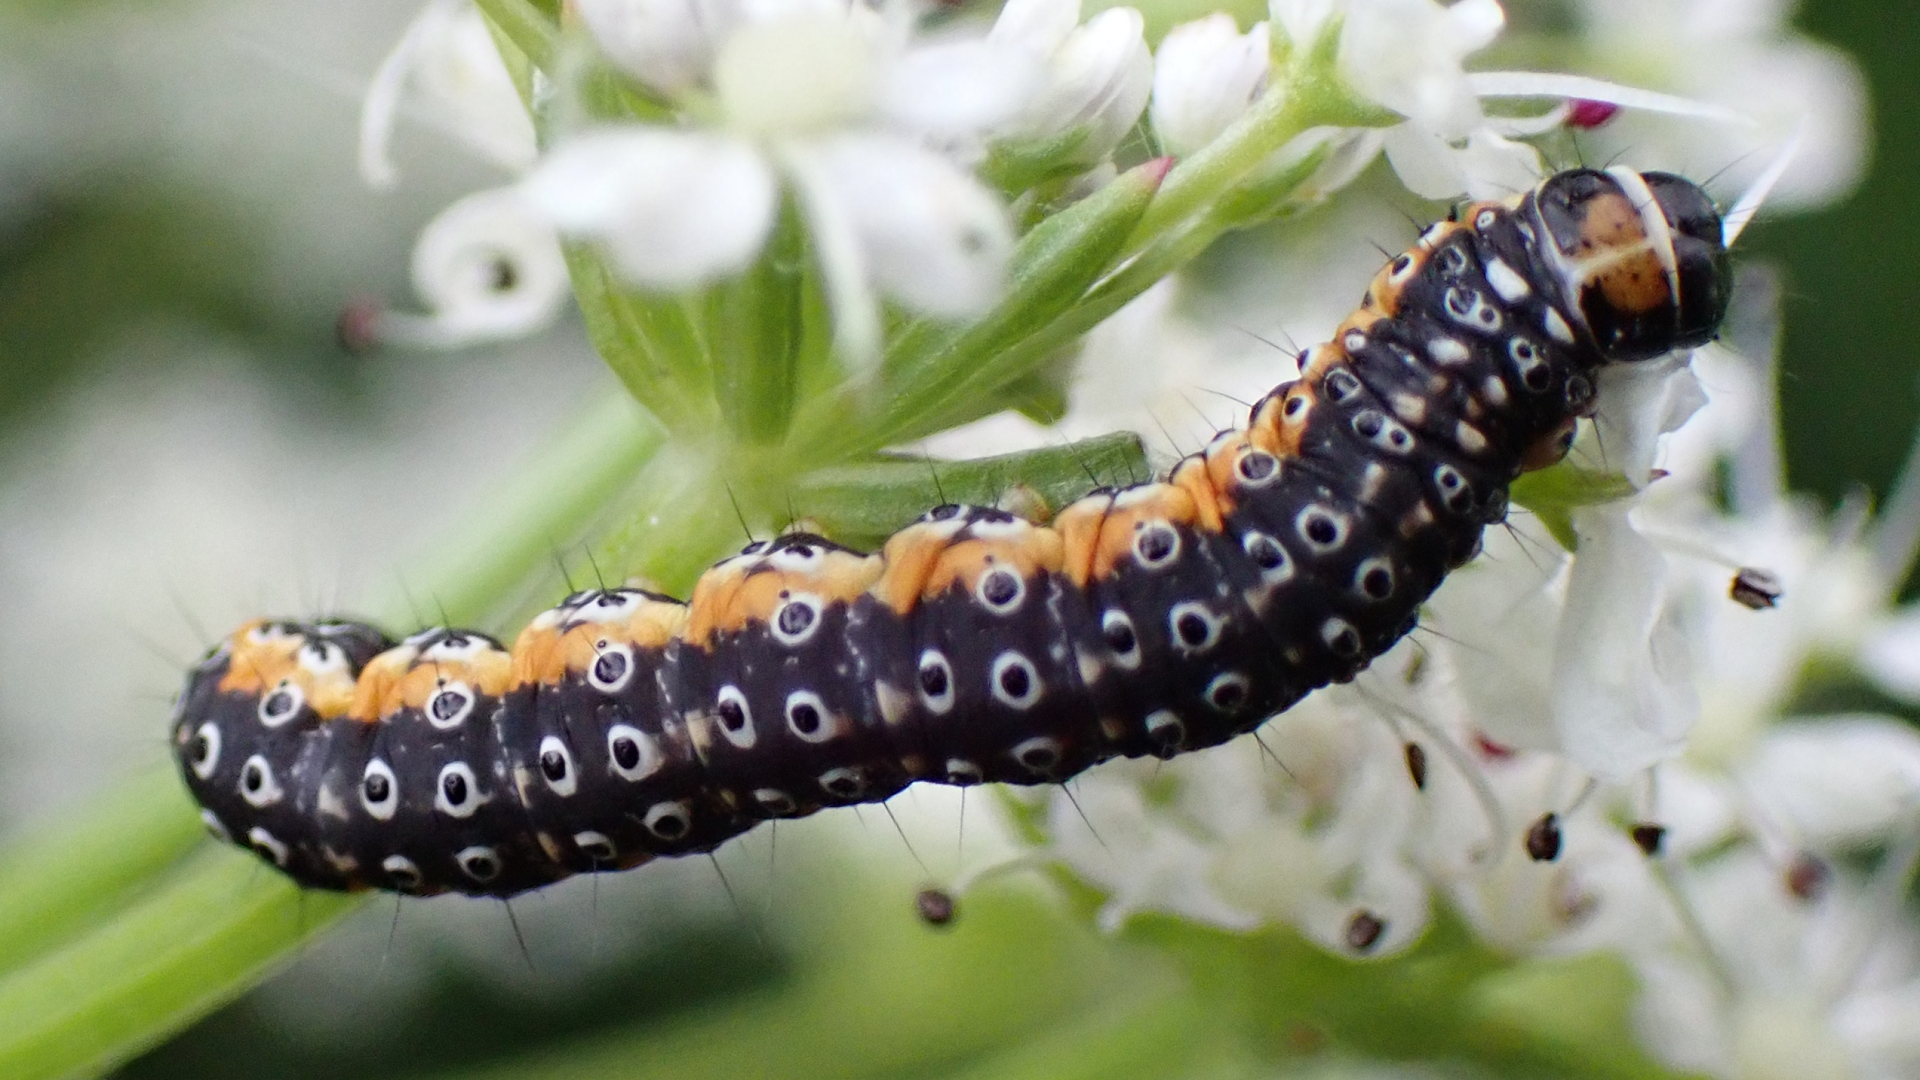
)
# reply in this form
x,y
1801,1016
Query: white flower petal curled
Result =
x,y
667,44
1643,403
673,209
446,71
488,268
934,238
1622,679
1205,75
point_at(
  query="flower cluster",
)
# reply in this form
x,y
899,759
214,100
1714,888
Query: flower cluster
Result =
x,y
1598,749
1590,750
912,151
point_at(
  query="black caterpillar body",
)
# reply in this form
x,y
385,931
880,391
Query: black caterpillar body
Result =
x,y
976,647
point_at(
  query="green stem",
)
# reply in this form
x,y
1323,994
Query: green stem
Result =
x,y
204,935
1310,96
113,942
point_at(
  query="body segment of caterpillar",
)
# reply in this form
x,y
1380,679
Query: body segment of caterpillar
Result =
x,y
976,646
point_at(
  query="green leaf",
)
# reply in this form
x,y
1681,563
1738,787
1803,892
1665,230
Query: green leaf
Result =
x,y
938,371
532,30
203,936
1553,493
867,502
650,341
69,877
756,327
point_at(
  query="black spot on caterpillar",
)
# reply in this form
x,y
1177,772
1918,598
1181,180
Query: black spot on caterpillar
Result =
x,y
975,646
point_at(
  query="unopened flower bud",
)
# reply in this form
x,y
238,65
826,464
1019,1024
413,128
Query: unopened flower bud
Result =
x,y
1205,76
1100,74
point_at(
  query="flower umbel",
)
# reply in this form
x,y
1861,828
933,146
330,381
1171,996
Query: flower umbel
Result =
x,y
838,103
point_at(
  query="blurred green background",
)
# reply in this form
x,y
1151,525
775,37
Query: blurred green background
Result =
x,y
181,222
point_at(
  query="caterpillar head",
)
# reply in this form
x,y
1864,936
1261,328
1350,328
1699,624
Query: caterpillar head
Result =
x,y
1641,255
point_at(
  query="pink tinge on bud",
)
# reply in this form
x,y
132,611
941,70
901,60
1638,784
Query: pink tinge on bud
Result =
x,y
1490,750
1157,169
1586,115
358,327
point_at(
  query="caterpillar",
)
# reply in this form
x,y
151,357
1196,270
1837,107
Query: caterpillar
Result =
x,y
975,646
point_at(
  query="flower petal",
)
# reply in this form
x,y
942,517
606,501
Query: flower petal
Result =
x,y
960,88
488,267
447,72
1545,84
1102,76
667,44
933,236
1641,404
1623,695
380,108
1424,162
1891,656
1205,75
673,209
1406,55
1494,167
1040,26
1842,780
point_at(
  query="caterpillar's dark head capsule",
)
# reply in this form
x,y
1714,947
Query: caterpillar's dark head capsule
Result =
x,y
1641,256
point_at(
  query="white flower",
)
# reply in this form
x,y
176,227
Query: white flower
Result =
x,y
1743,55
1892,656
488,267
667,44
1846,780
1099,74
1796,969
1205,75
1622,675
826,97
1233,840
671,208
446,71
1407,56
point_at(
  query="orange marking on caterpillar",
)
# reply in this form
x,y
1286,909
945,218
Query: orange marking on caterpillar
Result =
x,y
1615,254
1079,528
747,590
1034,552
1209,503
1111,540
259,660
1279,423
548,651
